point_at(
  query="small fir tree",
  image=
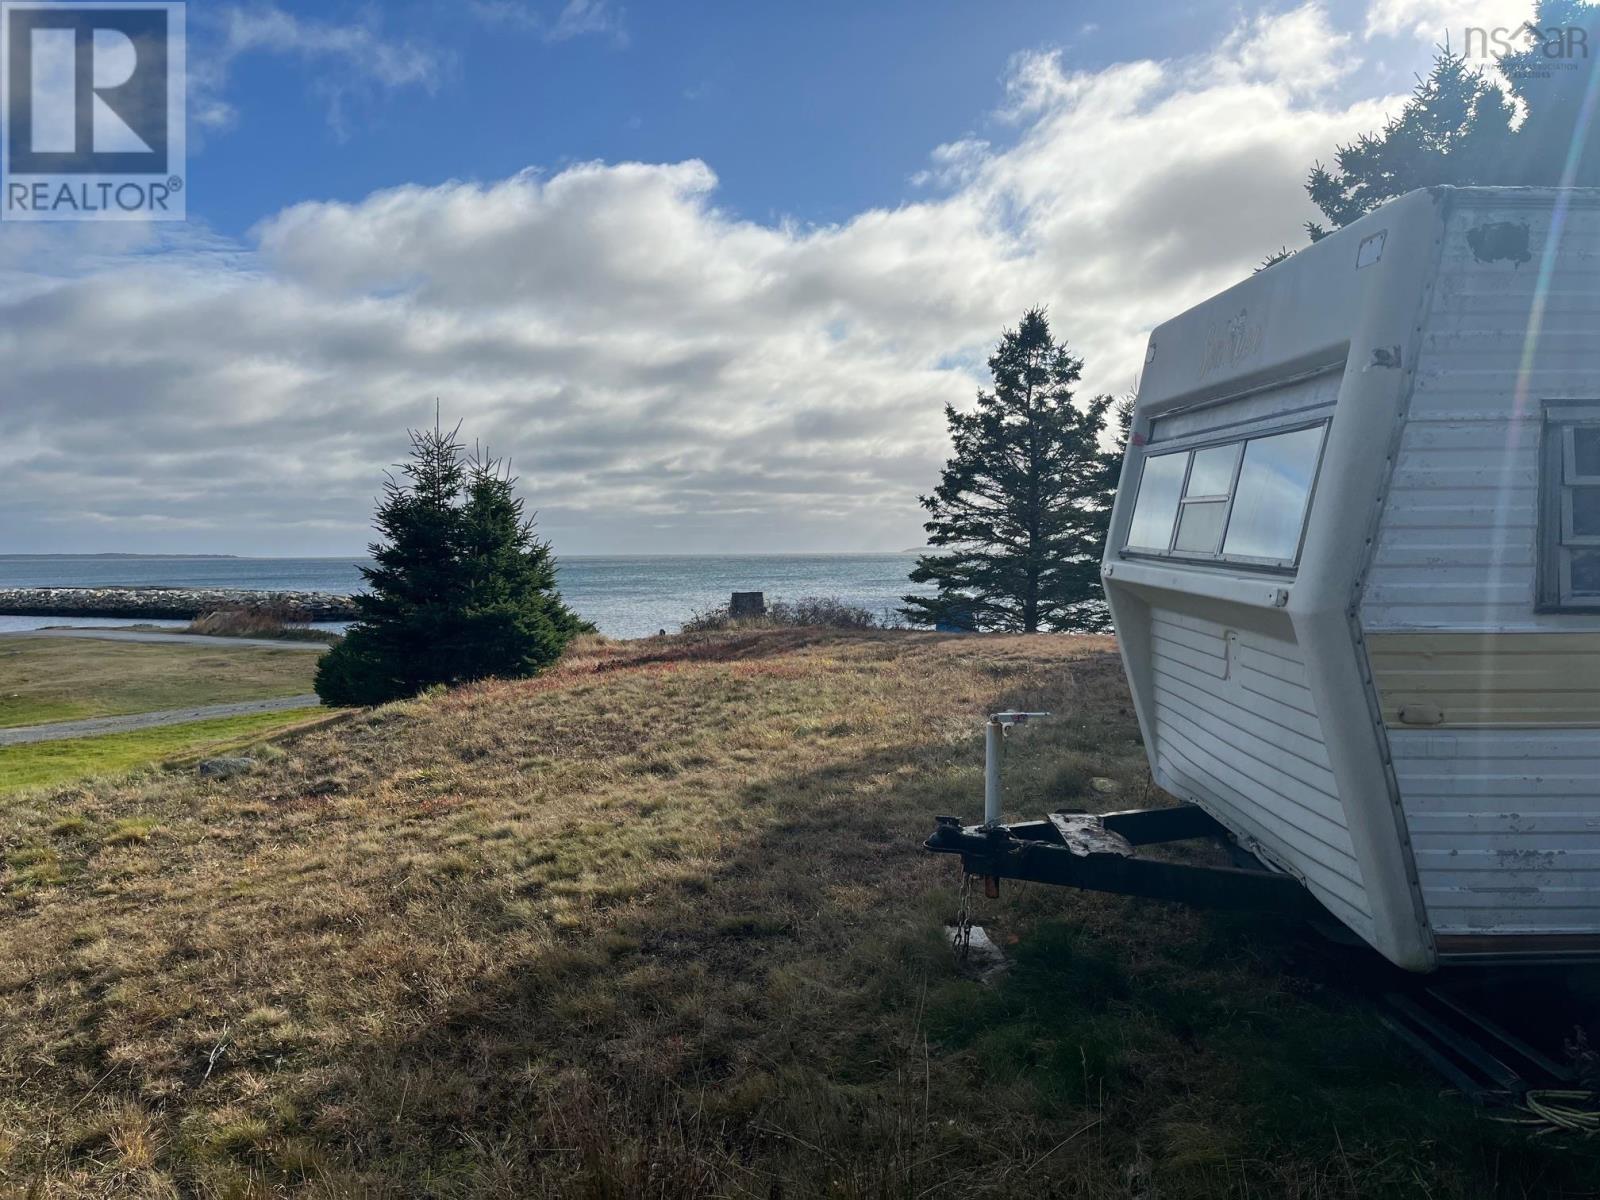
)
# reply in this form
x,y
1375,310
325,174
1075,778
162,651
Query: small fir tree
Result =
x,y
1022,507
459,589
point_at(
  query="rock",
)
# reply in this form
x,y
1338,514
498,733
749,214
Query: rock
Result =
x,y
984,959
169,602
1106,787
226,768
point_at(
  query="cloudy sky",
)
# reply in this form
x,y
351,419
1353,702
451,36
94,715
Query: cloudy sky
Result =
x,y
707,273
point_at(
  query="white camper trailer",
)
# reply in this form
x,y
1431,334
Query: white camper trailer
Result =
x,y
1355,571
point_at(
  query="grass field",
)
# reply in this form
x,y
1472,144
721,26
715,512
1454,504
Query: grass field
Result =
x,y
47,764
60,679
658,924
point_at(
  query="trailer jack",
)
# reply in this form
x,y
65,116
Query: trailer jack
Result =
x,y
1099,853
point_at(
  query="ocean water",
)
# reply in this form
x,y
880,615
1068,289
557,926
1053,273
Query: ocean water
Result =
x,y
624,597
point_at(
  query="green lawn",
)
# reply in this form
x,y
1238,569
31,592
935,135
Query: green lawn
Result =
x,y
59,679
49,764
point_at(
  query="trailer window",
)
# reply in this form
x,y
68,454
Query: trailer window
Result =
x,y
1160,487
1205,500
1571,510
1240,502
1269,513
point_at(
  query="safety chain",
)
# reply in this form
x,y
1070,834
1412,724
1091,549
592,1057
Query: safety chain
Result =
x,y
963,938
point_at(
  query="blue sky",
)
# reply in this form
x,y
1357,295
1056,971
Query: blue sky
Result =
x,y
708,273
809,111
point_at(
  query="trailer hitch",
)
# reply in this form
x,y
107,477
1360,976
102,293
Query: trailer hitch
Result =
x,y
1098,853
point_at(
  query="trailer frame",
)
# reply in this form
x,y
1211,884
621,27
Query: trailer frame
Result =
x,y
1099,853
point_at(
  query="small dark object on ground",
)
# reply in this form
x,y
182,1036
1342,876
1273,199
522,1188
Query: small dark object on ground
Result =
x,y
747,604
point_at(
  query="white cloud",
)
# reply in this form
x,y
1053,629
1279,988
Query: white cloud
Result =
x,y
668,375
1298,49
576,18
581,17
954,163
1435,21
355,59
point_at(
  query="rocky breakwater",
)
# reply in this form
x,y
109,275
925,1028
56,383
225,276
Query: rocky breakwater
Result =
x,y
170,603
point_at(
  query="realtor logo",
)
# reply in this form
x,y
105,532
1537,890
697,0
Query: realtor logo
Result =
x,y
92,111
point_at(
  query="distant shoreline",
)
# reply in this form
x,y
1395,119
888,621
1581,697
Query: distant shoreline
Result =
x,y
40,557
171,603
626,596
361,558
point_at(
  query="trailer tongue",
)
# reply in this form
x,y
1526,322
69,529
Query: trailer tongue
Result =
x,y
1100,854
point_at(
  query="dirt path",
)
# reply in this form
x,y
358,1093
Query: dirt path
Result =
x,y
94,726
192,639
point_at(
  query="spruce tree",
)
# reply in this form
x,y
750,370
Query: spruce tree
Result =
x,y
1460,127
513,616
459,588
1022,507
1455,129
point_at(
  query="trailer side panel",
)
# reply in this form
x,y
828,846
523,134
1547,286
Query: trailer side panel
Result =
x,y
1490,697
1238,732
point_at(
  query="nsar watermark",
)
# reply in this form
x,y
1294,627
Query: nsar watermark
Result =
x,y
92,111
1529,50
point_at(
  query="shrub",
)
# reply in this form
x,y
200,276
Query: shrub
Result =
x,y
827,612
269,620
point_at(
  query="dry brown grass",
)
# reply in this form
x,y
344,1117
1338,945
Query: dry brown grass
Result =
x,y
657,924
259,621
